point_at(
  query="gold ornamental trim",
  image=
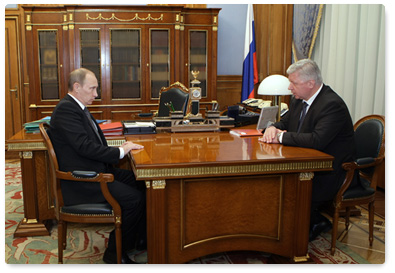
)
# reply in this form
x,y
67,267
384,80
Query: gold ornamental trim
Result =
x,y
301,258
29,221
115,142
26,146
231,170
158,184
34,146
306,176
113,17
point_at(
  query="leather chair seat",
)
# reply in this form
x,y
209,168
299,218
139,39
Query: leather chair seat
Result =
x,y
363,189
92,209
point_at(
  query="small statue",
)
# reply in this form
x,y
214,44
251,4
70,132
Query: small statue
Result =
x,y
195,74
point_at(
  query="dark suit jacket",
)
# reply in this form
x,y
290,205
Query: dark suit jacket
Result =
x,y
78,148
327,127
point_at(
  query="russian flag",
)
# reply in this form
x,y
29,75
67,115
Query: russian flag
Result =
x,y
250,66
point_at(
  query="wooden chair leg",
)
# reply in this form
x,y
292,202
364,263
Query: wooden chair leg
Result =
x,y
118,241
64,235
334,230
371,220
60,241
348,210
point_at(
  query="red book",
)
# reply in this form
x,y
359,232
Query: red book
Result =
x,y
111,126
246,132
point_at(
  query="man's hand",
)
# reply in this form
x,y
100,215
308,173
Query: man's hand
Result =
x,y
128,146
271,135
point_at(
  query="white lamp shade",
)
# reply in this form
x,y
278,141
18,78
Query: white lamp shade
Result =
x,y
274,85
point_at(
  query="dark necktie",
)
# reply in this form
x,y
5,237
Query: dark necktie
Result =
x,y
302,115
93,124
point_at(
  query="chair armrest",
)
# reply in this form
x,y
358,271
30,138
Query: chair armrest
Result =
x,y
351,167
90,176
84,174
362,163
365,160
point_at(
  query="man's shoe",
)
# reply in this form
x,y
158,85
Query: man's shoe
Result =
x,y
139,257
317,229
111,258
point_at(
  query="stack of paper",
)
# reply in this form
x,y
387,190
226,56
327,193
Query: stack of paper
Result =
x,y
112,128
139,127
32,127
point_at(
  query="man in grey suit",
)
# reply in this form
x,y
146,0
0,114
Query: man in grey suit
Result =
x,y
80,144
317,118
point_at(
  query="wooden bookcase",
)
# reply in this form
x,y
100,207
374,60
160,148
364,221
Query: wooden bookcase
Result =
x,y
133,50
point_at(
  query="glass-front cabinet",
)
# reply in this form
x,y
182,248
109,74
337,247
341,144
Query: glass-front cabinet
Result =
x,y
49,66
90,53
197,41
134,51
159,60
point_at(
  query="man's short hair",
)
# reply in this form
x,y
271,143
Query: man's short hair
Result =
x,y
78,76
307,69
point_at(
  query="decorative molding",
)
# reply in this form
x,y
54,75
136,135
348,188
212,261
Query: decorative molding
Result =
x,y
26,146
306,176
115,142
301,258
29,221
113,17
158,184
34,146
233,170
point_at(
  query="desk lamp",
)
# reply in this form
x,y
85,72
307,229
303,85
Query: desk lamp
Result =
x,y
275,85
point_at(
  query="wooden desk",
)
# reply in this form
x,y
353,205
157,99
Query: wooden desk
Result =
x,y
214,192
206,192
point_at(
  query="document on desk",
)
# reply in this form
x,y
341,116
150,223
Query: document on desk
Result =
x,y
246,132
134,124
139,127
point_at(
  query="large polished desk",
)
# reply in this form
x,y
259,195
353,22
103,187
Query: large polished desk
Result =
x,y
206,193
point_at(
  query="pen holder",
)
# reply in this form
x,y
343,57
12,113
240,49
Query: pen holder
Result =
x,y
212,114
176,114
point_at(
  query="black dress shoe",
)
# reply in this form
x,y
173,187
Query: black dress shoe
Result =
x,y
111,258
317,229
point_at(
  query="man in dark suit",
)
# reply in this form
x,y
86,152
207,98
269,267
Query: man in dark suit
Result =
x,y
317,118
80,145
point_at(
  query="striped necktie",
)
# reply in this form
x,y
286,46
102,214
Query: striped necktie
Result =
x,y
302,115
93,124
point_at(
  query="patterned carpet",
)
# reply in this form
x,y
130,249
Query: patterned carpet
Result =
x,y
86,243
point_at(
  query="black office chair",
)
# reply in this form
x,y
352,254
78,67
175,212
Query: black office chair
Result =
x,y
84,213
370,145
176,94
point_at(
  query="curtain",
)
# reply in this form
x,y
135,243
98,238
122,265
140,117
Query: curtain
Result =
x,y
350,50
306,22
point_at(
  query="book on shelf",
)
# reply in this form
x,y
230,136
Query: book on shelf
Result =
x,y
246,132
